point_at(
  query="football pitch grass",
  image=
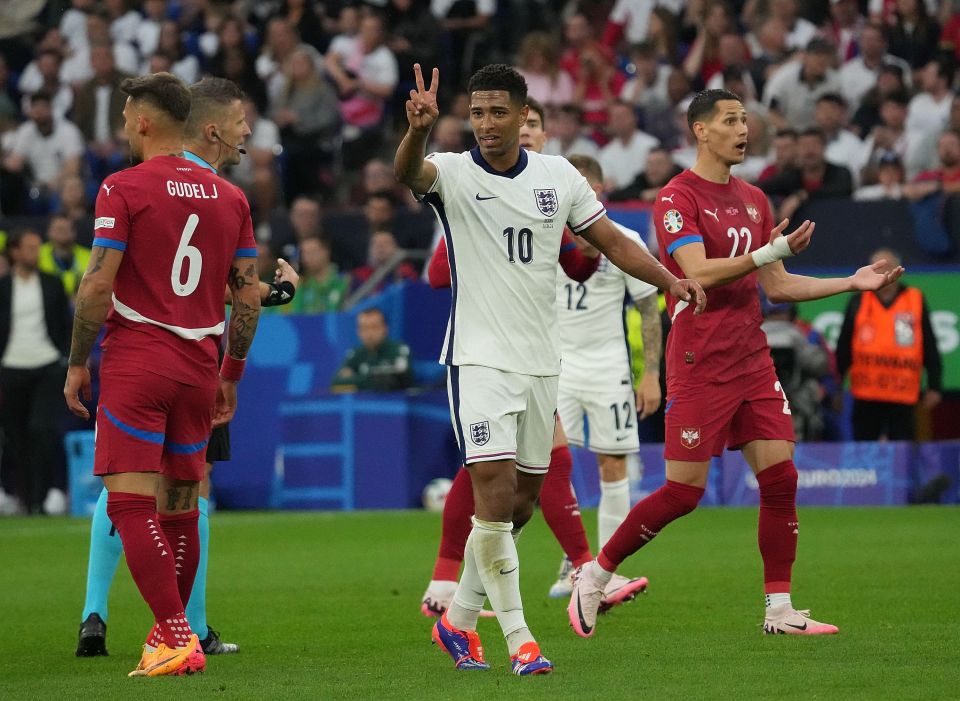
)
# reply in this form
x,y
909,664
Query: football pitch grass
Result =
x,y
327,606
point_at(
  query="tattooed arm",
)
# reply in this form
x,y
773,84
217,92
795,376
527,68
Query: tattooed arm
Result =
x,y
244,315
93,303
651,331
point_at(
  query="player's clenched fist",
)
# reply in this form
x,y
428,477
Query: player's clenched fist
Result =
x,y
690,291
422,110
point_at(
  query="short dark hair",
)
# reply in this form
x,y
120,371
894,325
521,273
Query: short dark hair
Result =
x,y
535,106
164,91
587,165
835,98
500,76
207,98
16,238
901,97
792,133
383,195
815,131
704,104
819,45
41,96
373,310
945,68
571,110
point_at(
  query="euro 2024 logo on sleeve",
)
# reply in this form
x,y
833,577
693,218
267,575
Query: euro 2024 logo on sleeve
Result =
x,y
672,221
480,432
547,201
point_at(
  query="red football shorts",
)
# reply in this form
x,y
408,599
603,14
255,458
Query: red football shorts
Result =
x,y
151,423
701,420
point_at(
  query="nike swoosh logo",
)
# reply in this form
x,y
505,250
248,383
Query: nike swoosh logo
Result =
x,y
803,627
482,199
583,623
509,571
156,665
622,438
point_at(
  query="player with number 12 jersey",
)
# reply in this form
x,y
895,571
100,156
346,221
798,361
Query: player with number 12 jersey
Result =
x,y
170,218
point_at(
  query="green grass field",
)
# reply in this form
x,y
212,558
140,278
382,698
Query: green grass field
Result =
x,y
326,606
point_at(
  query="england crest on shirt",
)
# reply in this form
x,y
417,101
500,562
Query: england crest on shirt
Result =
x,y
547,201
480,432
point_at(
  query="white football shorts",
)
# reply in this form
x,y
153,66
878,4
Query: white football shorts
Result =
x,y
610,414
501,415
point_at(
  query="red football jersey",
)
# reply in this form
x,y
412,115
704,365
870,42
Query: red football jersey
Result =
x,y
726,341
180,228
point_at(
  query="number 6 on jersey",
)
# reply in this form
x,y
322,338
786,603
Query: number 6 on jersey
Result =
x,y
190,253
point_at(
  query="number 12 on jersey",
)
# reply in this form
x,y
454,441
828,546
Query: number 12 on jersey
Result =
x,y
519,244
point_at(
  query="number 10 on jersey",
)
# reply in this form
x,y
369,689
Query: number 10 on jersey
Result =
x,y
519,244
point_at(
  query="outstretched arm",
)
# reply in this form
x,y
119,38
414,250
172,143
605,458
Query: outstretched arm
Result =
x,y
409,165
781,286
633,260
93,303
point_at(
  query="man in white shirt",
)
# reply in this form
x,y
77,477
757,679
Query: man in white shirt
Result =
x,y
859,74
843,148
34,333
503,210
929,109
566,135
625,156
792,91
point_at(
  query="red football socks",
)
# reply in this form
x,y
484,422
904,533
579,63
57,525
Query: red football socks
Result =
x,y
457,510
184,537
561,510
150,561
778,528
646,519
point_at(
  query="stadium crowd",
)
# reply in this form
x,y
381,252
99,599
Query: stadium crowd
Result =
x,y
846,99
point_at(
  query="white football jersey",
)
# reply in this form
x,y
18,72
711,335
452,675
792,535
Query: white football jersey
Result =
x,y
503,242
592,338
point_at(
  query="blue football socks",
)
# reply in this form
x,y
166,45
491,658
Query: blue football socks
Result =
x,y
197,606
105,551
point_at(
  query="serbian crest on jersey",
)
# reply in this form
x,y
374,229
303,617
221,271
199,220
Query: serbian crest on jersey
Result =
x,y
690,437
753,213
672,221
547,201
480,432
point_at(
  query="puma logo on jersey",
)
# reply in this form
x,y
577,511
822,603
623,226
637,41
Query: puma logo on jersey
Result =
x,y
713,213
108,188
667,199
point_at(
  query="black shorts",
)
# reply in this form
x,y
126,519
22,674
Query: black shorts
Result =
x,y
218,449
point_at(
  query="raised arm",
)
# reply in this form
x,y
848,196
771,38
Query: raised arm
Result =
x,y
633,260
94,299
409,165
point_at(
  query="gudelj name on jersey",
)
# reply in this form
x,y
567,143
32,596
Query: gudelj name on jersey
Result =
x,y
194,191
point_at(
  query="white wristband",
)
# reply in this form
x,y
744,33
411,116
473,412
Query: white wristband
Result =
x,y
778,249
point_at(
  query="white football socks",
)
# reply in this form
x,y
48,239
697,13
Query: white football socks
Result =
x,y
470,596
614,507
498,564
774,600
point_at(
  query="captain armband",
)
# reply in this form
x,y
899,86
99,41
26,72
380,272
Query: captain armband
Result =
x,y
280,293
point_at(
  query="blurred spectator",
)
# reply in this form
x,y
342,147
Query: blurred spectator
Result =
x,y
365,75
843,147
72,203
914,33
413,36
98,113
378,210
926,151
281,41
303,16
703,59
929,109
768,51
892,136
758,148
306,113
859,74
885,344
378,179
34,342
46,147
9,110
668,124
800,31
256,172
231,35
184,65
148,31
646,90
73,23
322,288
799,364
348,25
597,83
566,135
664,34
814,178
846,24
62,256
79,68
466,33
382,250
890,181
784,155
628,19
792,91
447,136
657,172
890,81
625,155
733,59
288,229
124,21
946,176
43,76
379,363
539,64
237,65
